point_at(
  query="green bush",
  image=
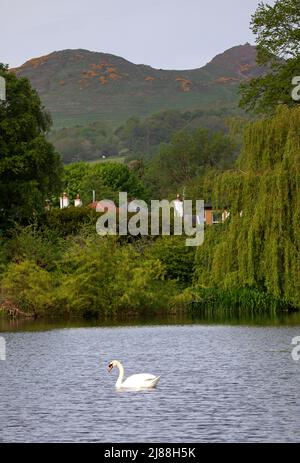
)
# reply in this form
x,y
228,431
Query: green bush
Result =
x,y
41,246
29,287
177,258
70,221
100,276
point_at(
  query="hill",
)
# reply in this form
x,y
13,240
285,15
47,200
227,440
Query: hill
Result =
x,y
81,87
135,139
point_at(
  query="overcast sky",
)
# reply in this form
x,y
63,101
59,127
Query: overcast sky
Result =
x,y
168,34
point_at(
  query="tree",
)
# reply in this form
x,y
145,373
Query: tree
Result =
x,y
259,248
277,30
106,178
175,256
188,155
84,143
30,169
101,276
73,177
110,178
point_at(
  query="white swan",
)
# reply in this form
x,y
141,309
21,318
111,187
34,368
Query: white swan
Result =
x,y
140,381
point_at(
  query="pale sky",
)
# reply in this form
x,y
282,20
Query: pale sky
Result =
x,y
167,34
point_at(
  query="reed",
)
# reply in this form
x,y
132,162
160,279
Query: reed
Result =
x,y
238,300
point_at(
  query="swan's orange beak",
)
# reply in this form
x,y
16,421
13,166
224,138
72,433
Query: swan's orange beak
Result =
x,y
110,367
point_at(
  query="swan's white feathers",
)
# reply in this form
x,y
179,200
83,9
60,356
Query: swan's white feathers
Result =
x,y
139,381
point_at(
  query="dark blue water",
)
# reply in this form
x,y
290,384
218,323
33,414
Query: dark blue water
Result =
x,y
218,384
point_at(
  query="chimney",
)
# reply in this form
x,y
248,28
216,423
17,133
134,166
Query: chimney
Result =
x,y
64,201
77,201
2,89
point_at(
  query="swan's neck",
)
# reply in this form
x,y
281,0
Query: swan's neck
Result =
x,y
121,375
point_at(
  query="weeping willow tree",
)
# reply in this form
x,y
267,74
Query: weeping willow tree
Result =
x,y
258,247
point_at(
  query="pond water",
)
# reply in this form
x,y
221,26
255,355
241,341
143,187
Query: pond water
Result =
x,y
220,382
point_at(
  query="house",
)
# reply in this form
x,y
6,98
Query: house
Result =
x,y
212,216
208,214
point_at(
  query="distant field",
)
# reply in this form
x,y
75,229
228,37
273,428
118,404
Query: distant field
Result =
x,y
119,159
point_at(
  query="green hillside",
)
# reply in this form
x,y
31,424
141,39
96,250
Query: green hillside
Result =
x,y
81,87
135,139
